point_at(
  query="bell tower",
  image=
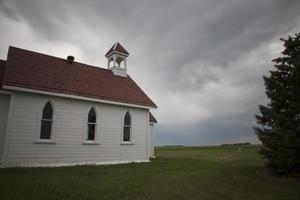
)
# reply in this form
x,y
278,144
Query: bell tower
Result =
x,y
117,55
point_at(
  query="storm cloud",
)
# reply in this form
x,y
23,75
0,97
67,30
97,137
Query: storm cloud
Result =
x,y
202,62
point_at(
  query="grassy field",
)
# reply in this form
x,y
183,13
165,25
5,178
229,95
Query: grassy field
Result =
x,y
177,173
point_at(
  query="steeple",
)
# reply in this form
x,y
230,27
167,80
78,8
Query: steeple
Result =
x,y
118,56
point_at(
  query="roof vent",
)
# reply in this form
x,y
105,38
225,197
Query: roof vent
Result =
x,y
70,59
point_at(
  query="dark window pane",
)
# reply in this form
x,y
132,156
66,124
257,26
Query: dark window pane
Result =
x,y
127,119
91,132
92,116
48,111
45,129
126,134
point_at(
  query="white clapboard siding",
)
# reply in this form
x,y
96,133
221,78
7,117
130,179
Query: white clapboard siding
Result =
x,y
151,141
4,104
69,126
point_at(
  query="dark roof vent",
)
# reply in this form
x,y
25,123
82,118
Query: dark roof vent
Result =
x,y
70,59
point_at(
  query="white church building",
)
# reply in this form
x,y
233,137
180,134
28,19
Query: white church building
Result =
x,y
57,112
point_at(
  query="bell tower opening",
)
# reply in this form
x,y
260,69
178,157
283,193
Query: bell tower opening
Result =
x,y
117,60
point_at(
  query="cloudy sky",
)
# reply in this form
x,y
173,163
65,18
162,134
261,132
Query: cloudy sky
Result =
x,y
201,61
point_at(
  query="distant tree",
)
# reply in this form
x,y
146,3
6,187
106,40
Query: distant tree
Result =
x,y
279,121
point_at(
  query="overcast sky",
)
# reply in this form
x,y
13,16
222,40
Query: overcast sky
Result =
x,y
201,61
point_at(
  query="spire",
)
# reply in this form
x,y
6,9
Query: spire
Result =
x,y
117,48
118,55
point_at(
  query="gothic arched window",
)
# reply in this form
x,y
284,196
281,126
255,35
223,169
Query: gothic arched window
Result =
x,y
46,121
91,126
127,127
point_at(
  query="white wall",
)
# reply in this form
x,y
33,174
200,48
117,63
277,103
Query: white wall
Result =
x,y
151,141
69,128
4,104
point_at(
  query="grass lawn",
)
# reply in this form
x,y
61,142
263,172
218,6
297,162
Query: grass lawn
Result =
x,y
176,173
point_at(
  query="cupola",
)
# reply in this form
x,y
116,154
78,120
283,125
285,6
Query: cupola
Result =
x,y
117,55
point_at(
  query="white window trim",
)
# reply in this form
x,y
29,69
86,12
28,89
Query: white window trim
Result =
x,y
86,123
130,142
40,119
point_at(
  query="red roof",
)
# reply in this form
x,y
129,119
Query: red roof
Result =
x,y
38,71
118,48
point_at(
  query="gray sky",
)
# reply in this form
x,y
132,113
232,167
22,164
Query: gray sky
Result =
x,y
201,61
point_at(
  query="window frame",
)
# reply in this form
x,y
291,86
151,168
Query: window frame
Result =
x,y
51,140
87,123
130,142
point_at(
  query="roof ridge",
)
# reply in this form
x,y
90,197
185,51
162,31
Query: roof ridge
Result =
x,y
56,57
114,48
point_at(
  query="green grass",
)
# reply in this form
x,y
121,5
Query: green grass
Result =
x,y
177,173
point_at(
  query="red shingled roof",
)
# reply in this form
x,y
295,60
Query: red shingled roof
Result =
x,y
117,47
38,71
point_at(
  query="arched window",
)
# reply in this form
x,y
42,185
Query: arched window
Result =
x,y
127,127
91,129
46,122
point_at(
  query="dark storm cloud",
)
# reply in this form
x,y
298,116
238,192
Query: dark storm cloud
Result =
x,y
183,31
238,27
202,61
